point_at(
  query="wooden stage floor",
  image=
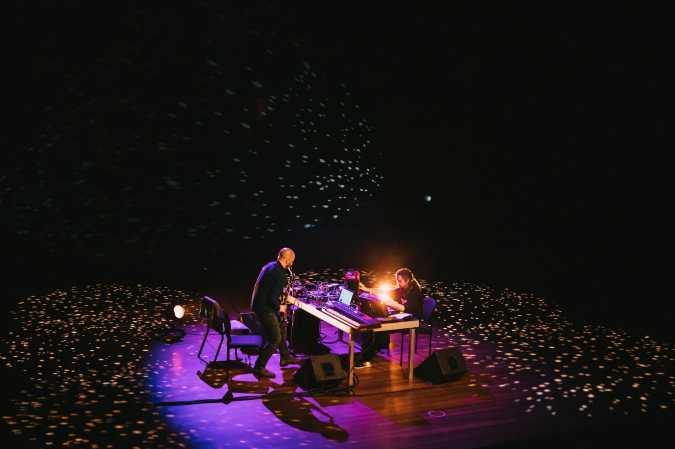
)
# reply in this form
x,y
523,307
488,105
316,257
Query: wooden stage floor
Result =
x,y
384,411
90,368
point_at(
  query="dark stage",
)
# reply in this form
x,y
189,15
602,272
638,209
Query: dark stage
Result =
x,y
90,368
511,157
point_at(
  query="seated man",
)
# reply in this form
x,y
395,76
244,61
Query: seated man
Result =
x,y
408,298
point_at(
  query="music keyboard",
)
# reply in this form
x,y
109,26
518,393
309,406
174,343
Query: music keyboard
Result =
x,y
358,320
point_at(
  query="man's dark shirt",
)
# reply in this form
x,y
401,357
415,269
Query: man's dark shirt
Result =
x,y
413,299
268,288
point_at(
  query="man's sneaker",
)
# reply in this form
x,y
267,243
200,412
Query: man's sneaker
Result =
x,y
288,360
262,372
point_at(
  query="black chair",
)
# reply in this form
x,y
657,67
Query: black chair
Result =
x,y
251,322
426,328
217,320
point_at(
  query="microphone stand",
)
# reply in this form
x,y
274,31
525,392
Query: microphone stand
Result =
x,y
288,291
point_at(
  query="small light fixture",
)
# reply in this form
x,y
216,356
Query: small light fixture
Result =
x,y
175,333
179,311
384,291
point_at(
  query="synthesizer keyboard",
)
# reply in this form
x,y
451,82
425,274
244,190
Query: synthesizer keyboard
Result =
x,y
353,317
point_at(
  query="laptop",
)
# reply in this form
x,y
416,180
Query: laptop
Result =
x,y
346,296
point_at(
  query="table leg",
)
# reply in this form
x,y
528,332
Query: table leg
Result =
x,y
411,354
351,360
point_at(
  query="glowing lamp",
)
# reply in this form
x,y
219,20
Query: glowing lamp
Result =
x,y
179,311
175,334
385,287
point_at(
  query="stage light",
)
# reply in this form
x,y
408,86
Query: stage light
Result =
x,y
383,291
427,198
175,334
385,287
179,311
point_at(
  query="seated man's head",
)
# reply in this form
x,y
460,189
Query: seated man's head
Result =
x,y
404,277
352,279
352,274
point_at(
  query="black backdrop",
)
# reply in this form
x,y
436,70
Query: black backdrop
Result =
x,y
540,136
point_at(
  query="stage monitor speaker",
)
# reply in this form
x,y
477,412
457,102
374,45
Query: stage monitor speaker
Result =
x,y
442,366
324,371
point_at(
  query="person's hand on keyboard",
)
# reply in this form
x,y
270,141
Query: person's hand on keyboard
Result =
x,y
394,305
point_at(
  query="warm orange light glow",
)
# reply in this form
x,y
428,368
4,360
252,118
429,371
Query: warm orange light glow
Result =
x,y
385,287
383,290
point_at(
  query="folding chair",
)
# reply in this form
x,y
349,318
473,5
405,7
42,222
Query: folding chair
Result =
x,y
218,320
426,328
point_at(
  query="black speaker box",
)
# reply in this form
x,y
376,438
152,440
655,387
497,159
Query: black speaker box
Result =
x,y
442,366
323,371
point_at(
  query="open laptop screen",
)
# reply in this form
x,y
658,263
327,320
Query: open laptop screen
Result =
x,y
346,296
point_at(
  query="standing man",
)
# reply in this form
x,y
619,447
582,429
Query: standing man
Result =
x,y
266,303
